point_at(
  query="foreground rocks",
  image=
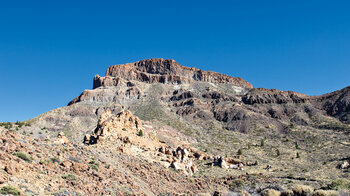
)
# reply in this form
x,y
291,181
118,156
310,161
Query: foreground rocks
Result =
x,y
125,132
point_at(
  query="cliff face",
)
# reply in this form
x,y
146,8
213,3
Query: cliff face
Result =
x,y
210,96
164,71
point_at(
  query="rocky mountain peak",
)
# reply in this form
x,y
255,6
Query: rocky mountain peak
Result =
x,y
166,71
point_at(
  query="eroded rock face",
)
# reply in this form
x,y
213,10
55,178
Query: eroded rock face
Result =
x,y
268,96
208,96
109,122
124,132
163,71
336,104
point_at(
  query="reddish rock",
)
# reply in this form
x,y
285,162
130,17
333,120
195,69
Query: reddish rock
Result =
x,y
2,179
80,167
12,168
66,164
165,71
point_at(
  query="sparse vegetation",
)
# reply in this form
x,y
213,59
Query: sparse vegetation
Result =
x,y
9,190
6,125
94,165
239,152
236,184
70,177
21,124
55,160
298,155
140,133
262,142
23,156
340,184
292,126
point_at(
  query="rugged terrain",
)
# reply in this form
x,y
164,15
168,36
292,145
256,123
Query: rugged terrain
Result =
x,y
155,127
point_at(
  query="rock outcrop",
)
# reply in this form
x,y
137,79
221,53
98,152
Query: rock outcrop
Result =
x,y
124,132
163,71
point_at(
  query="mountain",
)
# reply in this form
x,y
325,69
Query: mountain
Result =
x,y
156,127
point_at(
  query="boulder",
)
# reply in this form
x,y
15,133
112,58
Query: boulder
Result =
x,y
2,179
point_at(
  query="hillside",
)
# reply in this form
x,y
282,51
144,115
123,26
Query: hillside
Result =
x,y
156,127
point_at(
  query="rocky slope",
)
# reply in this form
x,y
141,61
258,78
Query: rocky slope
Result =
x,y
159,127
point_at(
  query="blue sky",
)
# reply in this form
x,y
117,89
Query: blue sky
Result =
x,y
50,50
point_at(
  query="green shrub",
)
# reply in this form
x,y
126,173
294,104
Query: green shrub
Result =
x,y
239,152
55,160
339,184
141,133
292,126
23,156
9,190
70,177
262,143
278,152
7,125
296,145
236,184
298,155
94,165
123,129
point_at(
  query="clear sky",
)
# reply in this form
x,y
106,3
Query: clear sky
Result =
x,y
50,50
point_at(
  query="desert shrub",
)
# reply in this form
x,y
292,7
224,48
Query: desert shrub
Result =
x,y
292,126
23,156
287,193
236,184
302,190
298,155
55,160
339,184
7,125
270,192
70,177
9,190
94,165
123,129
239,152
325,193
278,153
296,145
141,133
262,143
